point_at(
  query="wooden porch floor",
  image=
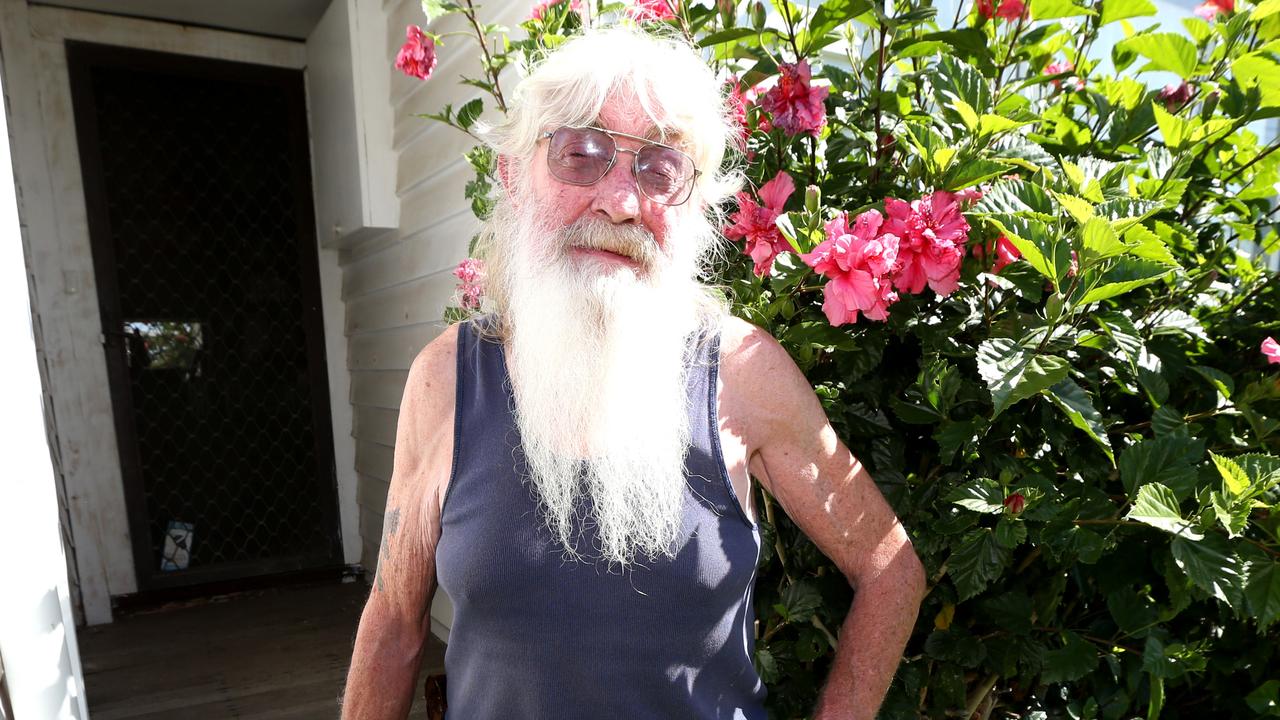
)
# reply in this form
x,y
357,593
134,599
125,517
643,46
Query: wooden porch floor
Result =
x,y
266,654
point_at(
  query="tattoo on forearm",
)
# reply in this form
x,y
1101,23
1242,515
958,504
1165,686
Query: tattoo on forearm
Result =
x,y
389,526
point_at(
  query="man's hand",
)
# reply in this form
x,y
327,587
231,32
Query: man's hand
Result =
x,y
396,619
794,452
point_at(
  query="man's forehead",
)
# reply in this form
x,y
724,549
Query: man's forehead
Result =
x,y
633,119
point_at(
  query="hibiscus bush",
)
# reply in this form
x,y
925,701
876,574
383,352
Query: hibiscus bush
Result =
x,y
1021,253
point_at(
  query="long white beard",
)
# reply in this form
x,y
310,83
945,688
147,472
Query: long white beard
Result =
x,y
598,358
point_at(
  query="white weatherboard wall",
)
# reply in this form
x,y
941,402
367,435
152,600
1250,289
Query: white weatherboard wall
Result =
x,y
396,285
42,673
64,299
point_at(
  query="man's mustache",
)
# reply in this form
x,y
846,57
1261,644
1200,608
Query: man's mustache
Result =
x,y
632,240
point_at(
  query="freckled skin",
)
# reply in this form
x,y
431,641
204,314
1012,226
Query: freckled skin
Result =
x,y
772,427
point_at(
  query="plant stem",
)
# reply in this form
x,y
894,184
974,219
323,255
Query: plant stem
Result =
x,y
470,12
979,694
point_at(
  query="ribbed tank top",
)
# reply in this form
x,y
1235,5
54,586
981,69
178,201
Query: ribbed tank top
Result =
x,y
537,636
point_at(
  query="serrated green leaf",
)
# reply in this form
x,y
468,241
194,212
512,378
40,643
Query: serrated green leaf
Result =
x,y
976,563
1265,699
1157,506
1045,251
1077,405
983,495
1262,592
1055,9
800,600
1114,10
1174,130
1124,275
1235,481
1164,51
1076,658
1147,245
1221,381
1212,565
1014,373
1099,241
1077,207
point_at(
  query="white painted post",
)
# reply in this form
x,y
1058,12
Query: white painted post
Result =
x,y
37,629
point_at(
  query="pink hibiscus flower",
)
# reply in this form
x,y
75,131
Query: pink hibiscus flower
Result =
x,y
1271,349
1175,95
470,274
540,10
858,262
932,235
417,57
1006,253
1210,9
651,10
1058,67
755,225
796,106
1005,9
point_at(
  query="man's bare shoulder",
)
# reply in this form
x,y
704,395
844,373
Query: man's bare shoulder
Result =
x,y
433,373
753,362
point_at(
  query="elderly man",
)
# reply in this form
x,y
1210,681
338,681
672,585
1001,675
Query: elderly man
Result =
x,y
573,465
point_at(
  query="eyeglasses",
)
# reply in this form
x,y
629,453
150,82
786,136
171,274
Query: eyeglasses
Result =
x,y
584,155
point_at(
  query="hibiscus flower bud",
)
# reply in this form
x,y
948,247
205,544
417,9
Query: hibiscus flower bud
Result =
x,y
1015,503
812,198
757,15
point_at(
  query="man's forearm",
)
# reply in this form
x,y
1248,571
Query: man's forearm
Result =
x,y
871,642
382,679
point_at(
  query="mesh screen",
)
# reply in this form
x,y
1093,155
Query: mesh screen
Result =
x,y
200,194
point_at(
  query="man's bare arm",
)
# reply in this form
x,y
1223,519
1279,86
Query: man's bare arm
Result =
x,y
396,619
797,456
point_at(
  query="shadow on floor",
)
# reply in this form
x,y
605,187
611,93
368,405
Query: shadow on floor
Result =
x,y
266,654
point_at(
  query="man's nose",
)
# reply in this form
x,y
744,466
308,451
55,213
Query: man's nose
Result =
x,y
617,196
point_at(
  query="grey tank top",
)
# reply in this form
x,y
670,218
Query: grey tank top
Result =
x,y
535,636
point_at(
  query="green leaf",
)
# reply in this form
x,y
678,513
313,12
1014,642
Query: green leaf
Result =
x,y
959,80
1266,8
983,495
725,36
1259,70
1221,381
830,15
955,645
799,601
976,563
1014,373
1100,241
1054,9
1265,699
1157,506
972,172
1010,533
1079,208
1235,481
1263,470
436,8
1164,51
468,113
1075,659
1212,565
1169,460
1075,402
1113,10
1047,252
1147,245
1173,129
1124,275
1012,197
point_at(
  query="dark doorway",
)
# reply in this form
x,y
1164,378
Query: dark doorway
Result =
x,y
198,188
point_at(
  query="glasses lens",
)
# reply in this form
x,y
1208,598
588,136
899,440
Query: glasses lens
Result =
x,y
579,155
663,173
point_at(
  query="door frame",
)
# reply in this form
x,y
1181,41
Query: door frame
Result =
x,y
65,312
82,58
